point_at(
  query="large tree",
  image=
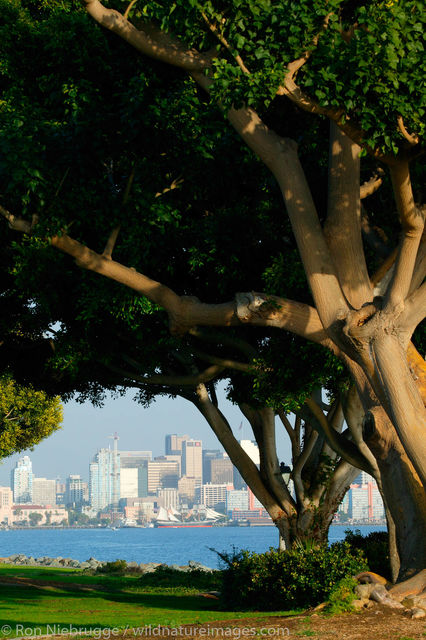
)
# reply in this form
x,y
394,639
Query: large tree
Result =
x,y
251,75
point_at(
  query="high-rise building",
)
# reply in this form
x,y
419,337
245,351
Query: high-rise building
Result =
x,y
104,485
173,444
76,490
221,471
44,492
208,456
22,481
134,473
252,451
186,489
192,460
365,501
168,498
162,474
6,503
212,494
237,499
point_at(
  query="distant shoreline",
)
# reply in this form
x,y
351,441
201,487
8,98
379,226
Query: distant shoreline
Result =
x,y
358,523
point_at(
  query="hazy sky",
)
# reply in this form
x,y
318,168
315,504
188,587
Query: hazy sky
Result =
x,y
86,429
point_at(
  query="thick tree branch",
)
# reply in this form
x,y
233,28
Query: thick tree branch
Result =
x,y
343,447
298,465
295,443
239,457
170,381
149,40
412,138
412,221
343,224
226,363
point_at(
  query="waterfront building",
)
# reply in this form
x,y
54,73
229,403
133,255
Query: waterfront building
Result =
x,y
76,490
104,484
134,473
237,499
192,460
255,517
6,503
212,495
162,473
365,501
61,490
168,498
44,491
22,514
22,481
138,510
173,444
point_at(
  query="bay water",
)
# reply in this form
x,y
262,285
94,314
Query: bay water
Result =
x,y
171,546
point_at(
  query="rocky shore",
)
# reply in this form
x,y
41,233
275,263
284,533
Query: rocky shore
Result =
x,y
93,564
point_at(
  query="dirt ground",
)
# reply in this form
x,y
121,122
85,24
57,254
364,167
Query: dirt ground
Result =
x,y
378,623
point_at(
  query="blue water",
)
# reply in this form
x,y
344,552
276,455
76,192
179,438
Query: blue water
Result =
x,y
171,546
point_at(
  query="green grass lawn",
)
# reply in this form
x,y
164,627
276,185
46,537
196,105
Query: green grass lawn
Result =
x,y
107,603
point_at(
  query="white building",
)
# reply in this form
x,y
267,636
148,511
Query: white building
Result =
x,y
44,491
22,481
6,503
237,499
168,498
212,494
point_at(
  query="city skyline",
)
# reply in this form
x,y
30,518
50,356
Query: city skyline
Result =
x,y
139,428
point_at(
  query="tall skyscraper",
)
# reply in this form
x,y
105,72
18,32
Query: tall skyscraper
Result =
x,y
192,460
104,486
174,444
208,456
22,481
77,490
252,450
44,492
134,473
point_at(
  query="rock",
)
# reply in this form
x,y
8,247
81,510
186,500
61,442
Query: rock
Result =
x,y
368,577
175,567
360,604
84,565
149,567
133,565
418,613
381,595
363,591
197,565
415,601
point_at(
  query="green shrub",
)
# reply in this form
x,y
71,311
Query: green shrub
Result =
x,y
278,580
376,550
342,596
164,576
117,567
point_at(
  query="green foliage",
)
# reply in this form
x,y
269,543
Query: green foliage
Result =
x,y
27,416
165,576
342,596
285,579
375,547
375,74
116,567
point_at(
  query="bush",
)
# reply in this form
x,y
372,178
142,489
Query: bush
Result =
x,y
117,567
164,576
278,580
342,596
375,547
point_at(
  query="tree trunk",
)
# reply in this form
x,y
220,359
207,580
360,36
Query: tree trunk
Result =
x,y
404,495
